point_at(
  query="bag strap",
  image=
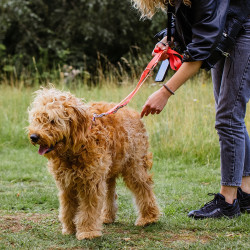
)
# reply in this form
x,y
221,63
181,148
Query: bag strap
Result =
x,y
169,23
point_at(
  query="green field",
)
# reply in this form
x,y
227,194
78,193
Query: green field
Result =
x,y
186,168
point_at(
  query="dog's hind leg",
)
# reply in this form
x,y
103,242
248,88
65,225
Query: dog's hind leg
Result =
x,y
110,205
88,219
67,211
139,181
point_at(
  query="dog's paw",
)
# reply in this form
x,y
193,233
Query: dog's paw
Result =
x,y
108,220
88,235
145,221
66,231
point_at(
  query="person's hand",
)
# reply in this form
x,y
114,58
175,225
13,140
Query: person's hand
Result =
x,y
156,102
162,45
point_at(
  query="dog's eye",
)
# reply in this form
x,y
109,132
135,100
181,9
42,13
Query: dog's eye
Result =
x,y
52,122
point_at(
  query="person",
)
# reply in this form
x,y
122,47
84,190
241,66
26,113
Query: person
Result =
x,y
199,26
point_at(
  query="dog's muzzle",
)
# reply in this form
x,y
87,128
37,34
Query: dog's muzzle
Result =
x,y
34,138
43,149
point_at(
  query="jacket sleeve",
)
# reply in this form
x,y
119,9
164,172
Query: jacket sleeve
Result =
x,y
207,27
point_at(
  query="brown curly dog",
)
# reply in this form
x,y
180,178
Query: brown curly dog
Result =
x,y
86,157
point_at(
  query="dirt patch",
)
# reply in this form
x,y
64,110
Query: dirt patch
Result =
x,y
167,237
16,222
188,237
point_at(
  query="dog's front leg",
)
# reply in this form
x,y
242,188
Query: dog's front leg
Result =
x,y
67,212
88,219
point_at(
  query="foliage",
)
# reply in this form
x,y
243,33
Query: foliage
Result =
x,y
72,32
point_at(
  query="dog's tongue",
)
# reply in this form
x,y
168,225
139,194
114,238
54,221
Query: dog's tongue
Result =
x,y
42,150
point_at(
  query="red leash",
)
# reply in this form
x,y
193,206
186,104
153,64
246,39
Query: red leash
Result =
x,y
175,63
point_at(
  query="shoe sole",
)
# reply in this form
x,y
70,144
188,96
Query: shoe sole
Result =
x,y
245,210
222,216
233,216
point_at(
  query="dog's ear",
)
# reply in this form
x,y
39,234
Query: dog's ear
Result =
x,y
80,121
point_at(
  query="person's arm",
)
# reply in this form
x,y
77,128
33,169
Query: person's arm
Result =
x,y
157,101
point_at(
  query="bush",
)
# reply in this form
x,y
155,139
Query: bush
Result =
x,y
73,32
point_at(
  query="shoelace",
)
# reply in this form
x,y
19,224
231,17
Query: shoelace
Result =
x,y
211,203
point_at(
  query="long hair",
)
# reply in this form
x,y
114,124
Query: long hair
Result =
x,y
149,7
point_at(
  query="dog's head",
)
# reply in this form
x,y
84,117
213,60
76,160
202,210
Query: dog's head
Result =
x,y
58,121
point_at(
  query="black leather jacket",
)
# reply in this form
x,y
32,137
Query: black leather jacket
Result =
x,y
199,28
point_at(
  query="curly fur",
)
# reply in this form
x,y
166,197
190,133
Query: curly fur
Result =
x,y
86,162
149,7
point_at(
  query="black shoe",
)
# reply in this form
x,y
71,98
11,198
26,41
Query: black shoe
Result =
x,y
217,208
244,200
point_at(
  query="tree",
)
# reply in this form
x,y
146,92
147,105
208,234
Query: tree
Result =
x,y
71,31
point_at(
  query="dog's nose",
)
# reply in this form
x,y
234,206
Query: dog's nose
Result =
x,y
34,137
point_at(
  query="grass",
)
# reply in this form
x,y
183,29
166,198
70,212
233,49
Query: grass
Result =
x,y
186,168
